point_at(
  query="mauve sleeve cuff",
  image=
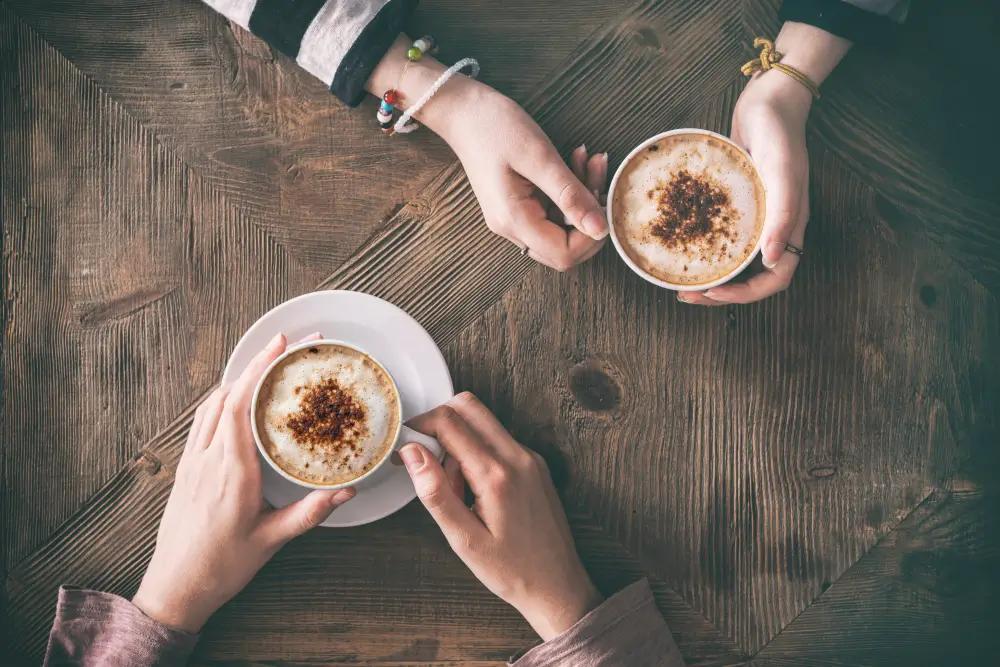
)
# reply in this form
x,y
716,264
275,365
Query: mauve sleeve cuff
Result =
x,y
99,629
847,19
627,629
368,50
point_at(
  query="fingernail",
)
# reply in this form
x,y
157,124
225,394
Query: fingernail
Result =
x,y
583,147
605,159
275,340
715,296
594,225
772,253
413,458
342,496
683,297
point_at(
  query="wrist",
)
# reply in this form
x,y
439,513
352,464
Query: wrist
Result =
x,y
172,613
445,108
550,618
811,50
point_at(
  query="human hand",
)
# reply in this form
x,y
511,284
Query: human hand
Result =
x,y
217,531
515,538
524,187
770,121
526,191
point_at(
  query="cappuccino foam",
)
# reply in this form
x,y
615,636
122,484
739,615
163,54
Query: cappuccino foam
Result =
x,y
327,414
688,209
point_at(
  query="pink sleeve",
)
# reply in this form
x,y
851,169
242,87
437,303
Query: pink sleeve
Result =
x,y
93,628
626,630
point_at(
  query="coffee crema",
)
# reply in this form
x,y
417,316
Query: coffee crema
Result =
x,y
327,414
688,209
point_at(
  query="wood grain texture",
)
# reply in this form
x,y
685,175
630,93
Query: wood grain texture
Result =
x,y
748,457
128,279
166,179
925,595
249,122
914,133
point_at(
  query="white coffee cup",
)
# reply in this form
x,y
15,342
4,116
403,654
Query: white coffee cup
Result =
x,y
680,287
404,434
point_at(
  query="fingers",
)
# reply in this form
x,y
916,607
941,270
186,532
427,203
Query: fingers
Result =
x,y
555,247
556,179
783,181
281,525
206,420
760,286
459,441
485,424
453,472
244,387
239,440
596,177
458,523
698,299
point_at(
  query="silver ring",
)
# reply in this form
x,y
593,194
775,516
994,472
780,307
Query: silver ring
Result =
x,y
524,250
795,250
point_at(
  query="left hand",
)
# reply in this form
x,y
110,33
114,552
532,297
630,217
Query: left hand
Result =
x,y
770,122
216,530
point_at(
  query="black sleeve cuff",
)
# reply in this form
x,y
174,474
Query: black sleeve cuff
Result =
x,y
369,49
839,18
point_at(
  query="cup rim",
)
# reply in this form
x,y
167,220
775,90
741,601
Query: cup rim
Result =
x,y
621,250
291,349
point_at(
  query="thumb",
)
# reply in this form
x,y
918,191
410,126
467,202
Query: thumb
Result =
x,y
281,525
437,494
579,207
783,210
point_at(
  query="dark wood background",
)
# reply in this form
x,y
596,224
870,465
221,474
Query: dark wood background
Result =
x,y
811,480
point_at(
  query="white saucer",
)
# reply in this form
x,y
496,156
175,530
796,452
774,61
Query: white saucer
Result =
x,y
389,335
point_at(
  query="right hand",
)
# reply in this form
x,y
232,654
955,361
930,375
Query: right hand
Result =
x,y
515,538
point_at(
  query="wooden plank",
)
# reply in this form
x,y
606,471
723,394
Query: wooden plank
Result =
x,y
749,456
318,176
413,262
925,595
911,132
268,135
128,279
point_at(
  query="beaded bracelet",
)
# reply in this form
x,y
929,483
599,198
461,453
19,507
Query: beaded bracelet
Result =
x,y
425,44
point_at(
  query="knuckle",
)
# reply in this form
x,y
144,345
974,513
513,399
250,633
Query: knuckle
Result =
x,y
498,480
572,197
448,417
562,263
432,495
497,226
467,398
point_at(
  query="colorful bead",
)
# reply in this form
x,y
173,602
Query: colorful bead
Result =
x,y
391,96
383,117
422,44
431,43
413,53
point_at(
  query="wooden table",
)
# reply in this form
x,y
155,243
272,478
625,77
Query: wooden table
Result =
x,y
806,481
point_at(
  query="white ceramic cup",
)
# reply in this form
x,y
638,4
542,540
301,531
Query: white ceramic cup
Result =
x,y
404,434
611,223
